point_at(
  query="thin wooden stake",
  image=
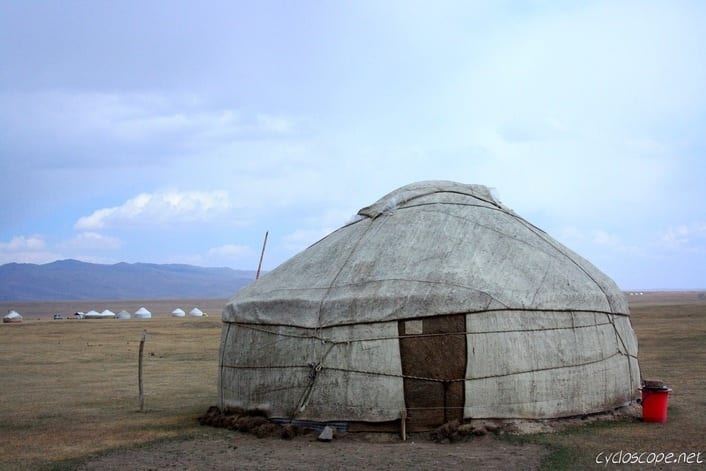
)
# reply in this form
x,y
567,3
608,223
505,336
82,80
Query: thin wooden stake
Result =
x,y
403,424
262,255
139,371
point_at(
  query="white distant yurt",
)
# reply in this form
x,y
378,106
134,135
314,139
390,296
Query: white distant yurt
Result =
x,y
143,313
12,317
436,303
178,312
196,312
124,315
92,314
106,314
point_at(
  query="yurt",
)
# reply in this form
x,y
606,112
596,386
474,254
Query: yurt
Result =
x,y
124,315
436,303
92,314
196,312
12,317
178,312
108,314
143,313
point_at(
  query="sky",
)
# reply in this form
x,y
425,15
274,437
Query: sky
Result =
x,y
182,131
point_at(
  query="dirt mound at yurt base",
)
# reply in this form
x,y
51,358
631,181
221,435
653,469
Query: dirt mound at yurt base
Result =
x,y
253,422
256,423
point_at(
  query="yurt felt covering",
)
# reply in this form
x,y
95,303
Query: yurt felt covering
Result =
x,y
439,301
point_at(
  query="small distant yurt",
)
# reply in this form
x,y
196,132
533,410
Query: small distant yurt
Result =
x,y
436,303
124,315
143,313
196,312
106,314
92,314
12,317
178,312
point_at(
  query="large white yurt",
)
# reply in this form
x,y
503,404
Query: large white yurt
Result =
x,y
437,303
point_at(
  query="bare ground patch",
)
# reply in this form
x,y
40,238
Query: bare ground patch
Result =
x,y
352,451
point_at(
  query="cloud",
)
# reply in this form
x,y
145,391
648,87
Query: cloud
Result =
x,y
684,237
536,129
230,251
21,249
589,242
83,128
228,255
158,208
300,239
23,243
93,241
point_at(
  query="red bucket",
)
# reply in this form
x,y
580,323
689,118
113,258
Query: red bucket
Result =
x,y
654,404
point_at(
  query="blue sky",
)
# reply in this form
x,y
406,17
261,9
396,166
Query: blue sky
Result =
x,y
179,132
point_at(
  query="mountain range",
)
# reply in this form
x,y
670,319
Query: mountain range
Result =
x,y
75,280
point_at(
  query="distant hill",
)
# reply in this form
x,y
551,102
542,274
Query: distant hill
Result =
x,y
74,280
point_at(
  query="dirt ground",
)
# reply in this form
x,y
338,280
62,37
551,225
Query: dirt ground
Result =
x,y
473,445
238,450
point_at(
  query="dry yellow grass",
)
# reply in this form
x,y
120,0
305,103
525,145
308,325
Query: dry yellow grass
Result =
x,y
69,388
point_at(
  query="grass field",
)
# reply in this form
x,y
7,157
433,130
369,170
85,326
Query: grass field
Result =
x,y
69,388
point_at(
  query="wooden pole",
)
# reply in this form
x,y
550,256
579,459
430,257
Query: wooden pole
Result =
x,y
403,424
139,371
262,255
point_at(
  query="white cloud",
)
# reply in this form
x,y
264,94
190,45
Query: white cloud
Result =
x,y
230,251
21,249
277,124
690,237
89,129
159,208
228,255
23,243
603,238
595,241
300,239
93,241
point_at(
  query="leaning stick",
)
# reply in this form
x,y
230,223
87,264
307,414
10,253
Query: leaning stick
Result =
x,y
262,255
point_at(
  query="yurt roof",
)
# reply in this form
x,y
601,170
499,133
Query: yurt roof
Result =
x,y
178,312
428,248
196,312
108,312
142,310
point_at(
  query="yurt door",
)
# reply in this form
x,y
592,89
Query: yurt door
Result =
x,y
433,352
